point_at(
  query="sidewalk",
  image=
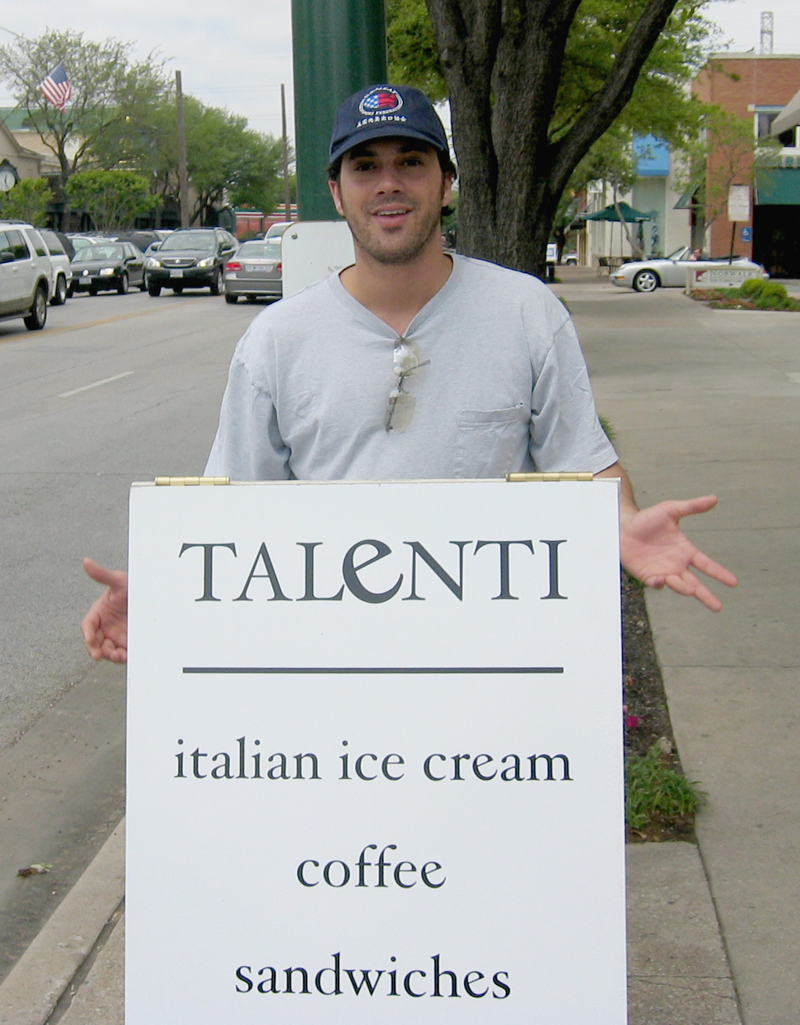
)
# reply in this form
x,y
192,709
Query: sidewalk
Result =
x,y
701,401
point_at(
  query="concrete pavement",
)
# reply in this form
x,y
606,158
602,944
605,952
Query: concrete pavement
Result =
x,y
702,401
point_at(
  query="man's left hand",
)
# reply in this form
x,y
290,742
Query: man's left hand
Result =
x,y
655,550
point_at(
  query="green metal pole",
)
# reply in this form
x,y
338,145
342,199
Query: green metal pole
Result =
x,y
339,46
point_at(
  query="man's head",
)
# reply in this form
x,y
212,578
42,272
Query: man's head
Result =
x,y
383,111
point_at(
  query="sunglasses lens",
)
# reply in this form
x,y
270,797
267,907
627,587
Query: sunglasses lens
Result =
x,y
400,411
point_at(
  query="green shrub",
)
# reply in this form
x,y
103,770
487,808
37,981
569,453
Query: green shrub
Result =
x,y
655,792
752,286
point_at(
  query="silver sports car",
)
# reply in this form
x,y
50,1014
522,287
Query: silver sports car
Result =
x,y
670,271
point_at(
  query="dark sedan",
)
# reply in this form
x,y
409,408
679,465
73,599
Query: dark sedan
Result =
x,y
107,267
190,258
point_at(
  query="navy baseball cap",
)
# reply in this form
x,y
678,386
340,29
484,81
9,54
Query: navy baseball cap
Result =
x,y
386,110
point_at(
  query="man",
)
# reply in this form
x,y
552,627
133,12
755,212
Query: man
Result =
x,y
413,363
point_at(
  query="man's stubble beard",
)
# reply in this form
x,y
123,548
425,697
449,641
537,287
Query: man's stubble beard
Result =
x,y
408,253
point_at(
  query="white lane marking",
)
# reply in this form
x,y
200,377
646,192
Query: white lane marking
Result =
x,y
95,384
794,377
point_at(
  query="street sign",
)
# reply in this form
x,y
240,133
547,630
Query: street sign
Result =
x,y
738,203
747,234
375,754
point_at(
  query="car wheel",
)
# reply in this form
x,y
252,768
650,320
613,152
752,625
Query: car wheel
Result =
x,y
154,290
177,289
216,282
70,292
143,283
60,293
122,287
37,318
92,291
646,281
231,299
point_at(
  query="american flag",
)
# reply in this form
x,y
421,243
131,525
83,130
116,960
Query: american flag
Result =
x,y
57,87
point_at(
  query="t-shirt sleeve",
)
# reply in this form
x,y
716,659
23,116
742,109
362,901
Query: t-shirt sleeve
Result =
x,y
248,445
566,434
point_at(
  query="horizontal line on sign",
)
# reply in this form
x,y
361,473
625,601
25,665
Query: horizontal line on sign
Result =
x,y
396,671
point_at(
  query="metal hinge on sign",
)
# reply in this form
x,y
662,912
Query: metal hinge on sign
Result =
x,y
548,476
189,482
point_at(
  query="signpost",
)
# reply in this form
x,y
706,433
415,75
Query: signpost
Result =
x,y
375,754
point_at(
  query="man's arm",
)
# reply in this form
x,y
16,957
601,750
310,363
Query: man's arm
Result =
x,y
105,625
655,550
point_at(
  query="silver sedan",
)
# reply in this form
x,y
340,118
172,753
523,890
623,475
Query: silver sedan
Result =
x,y
255,271
671,271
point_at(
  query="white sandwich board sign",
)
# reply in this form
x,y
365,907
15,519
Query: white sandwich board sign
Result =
x,y
375,755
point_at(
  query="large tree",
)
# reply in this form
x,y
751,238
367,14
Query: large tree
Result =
x,y
533,85
107,88
227,161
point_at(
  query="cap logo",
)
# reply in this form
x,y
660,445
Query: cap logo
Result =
x,y
381,101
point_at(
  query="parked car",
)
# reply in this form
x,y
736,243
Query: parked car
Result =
x,y
108,267
671,271
26,273
255,270
278,228
58,247
190,258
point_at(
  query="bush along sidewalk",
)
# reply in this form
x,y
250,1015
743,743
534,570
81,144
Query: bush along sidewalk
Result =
x,y
754,294
660,802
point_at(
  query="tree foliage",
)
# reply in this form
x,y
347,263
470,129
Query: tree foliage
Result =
x,y
533,86
122,117
27,201
227,161
113,199
106,87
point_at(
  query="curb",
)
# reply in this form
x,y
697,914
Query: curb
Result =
x,y
29,994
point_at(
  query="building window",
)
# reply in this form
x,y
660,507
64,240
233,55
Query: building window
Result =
x,y
764,118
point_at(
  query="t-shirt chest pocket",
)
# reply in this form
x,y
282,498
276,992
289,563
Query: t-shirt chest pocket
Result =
x,y
491,442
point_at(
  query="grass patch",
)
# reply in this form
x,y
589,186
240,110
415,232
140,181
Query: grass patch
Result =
x,y
658,798
754,294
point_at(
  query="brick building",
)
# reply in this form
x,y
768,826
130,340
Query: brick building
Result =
x,y
757,86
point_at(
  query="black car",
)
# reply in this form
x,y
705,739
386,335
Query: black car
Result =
x,y
190,258
107,267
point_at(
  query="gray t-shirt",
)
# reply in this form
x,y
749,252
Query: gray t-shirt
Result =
x,y
506,388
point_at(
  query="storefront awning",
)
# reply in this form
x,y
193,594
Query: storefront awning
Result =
x,y
779,186
788,117
688,200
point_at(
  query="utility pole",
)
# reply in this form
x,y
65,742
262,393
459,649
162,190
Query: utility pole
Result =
x,y
339,47
287,191
183,175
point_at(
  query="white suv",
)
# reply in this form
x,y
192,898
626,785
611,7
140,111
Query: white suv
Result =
x,y
26,273
62,266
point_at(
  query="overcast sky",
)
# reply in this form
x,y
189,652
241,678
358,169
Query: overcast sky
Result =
x,y
237,57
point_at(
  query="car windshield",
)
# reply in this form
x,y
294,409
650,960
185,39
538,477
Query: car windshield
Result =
x,y
98,253
190,240
680,254
270,248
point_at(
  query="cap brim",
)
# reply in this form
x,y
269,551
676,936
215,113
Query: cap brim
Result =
x,y
384,131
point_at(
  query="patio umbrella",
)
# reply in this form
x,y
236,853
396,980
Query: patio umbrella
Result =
x,y
609,213
629,215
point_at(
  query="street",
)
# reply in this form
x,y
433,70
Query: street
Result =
x,y
114,389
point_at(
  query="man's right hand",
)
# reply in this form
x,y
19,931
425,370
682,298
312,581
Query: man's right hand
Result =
x,y
105,625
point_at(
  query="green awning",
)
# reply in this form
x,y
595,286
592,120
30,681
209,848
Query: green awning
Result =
x,y
779,186
688,200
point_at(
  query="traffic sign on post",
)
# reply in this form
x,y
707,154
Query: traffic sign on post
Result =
x,y
375,754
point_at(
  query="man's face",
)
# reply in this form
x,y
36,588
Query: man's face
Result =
x,y
391,192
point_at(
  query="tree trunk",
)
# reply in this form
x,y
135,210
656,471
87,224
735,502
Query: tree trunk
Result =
x,y
502,62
